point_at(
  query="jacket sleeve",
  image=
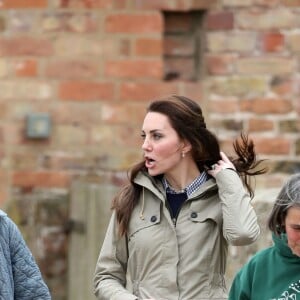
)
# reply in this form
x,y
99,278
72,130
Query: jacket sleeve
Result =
x,y
110,273
28,281
240,226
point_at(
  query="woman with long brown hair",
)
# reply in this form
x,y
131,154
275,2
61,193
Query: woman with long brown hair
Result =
x,y
184,203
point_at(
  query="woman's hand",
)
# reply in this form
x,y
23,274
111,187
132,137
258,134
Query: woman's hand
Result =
x,y
224,163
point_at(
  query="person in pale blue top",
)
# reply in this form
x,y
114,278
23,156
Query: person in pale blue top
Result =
x,y
20,277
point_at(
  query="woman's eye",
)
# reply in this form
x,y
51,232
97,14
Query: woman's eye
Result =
x,y
143,136
157,136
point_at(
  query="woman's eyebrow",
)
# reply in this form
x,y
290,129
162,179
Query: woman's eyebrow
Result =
x,y
152,130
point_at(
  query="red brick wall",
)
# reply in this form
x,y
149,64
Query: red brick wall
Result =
x,y
94,64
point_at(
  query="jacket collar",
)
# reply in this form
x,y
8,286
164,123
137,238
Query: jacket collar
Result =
x,y
2,213
155,185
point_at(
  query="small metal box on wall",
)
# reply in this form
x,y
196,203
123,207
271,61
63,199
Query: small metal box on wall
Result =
x,y
38,126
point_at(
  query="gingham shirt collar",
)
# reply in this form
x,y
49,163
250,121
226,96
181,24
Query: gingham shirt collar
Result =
x,y
190,189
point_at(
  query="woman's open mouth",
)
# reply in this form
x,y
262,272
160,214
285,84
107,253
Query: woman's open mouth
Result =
x,y
149,162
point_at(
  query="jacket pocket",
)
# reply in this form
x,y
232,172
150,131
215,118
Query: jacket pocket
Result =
x,y
201,211
145,236
138,224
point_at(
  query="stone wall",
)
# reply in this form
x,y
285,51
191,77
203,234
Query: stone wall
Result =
x,y
93,65
42,216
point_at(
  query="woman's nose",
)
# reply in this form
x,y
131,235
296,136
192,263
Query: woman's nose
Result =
x,y
146,145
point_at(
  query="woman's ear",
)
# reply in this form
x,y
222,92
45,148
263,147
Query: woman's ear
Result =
x,y
186,147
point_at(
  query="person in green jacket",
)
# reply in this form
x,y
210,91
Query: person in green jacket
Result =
x,y
274,273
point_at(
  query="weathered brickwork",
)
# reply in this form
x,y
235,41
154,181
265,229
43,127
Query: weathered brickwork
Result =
x,y
93,65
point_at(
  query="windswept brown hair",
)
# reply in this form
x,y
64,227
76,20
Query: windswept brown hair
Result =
x,y
186,117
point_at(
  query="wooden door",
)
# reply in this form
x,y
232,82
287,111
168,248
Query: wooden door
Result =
x,y
89,217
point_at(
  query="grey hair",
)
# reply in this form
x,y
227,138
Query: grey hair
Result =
x,y
289,196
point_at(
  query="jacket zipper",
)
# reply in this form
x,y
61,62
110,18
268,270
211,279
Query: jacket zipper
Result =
x,y
171,214
174,218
